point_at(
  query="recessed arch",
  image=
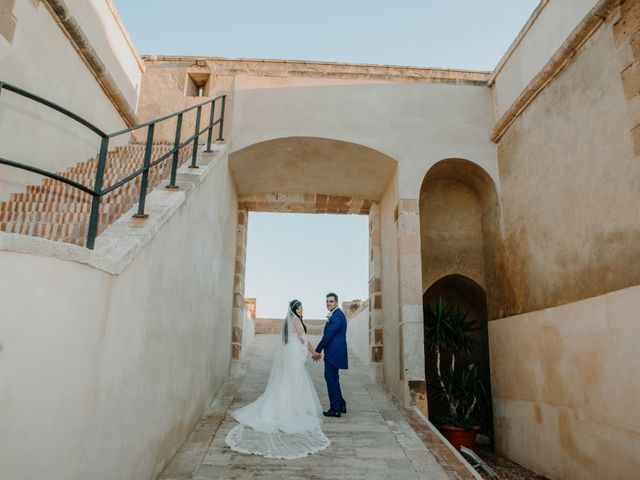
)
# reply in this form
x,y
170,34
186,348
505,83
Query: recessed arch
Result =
x,y
460,226
311,165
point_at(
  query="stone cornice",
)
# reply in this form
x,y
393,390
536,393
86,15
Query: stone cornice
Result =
x,y
294,68
72,30
560,59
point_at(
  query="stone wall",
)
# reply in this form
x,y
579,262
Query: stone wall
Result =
x,y
568,173
565,383
274,326
111,356
563,360
358,334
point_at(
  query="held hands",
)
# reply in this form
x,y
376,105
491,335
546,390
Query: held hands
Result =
x,y
316,356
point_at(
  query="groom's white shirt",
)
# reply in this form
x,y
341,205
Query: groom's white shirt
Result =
x,y
331,312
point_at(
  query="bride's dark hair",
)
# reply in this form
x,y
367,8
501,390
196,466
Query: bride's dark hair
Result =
x,y
294,305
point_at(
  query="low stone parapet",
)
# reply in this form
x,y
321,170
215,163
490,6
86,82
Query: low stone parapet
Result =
x,y
274,325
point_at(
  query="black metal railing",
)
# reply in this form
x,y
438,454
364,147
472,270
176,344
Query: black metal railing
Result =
x,y
97,192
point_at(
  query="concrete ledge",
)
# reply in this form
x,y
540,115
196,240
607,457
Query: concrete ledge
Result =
x,y
445,442
126,237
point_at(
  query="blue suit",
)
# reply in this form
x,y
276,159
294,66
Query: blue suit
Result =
x,y
334,344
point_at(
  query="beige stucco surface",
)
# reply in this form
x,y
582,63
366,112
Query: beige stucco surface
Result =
x,y
565,384
568,174
547,29
415,124
451,232
105,375
311,165
42,60
358,334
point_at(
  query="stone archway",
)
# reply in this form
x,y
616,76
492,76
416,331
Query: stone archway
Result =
x,y
320,176
462,293
460,253
460,228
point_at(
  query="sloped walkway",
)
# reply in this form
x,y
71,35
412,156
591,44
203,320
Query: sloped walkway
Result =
x,y
373,441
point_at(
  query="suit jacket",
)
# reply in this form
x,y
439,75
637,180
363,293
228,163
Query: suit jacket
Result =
x,y
334,340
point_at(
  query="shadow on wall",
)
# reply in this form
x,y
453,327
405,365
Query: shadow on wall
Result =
x,y
460,230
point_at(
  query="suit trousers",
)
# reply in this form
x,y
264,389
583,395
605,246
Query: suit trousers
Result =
x,y
332,377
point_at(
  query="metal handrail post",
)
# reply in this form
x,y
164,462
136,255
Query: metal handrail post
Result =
x,y
195,140
176,154
145,174
94,216
224,101
210,132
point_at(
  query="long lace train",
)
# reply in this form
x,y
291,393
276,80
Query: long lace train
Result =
x,y
276,444
286,420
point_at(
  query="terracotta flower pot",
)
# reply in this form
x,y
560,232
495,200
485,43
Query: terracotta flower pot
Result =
x,y
458,436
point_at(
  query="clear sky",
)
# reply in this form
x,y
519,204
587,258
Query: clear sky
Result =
x,y
305,256
469,34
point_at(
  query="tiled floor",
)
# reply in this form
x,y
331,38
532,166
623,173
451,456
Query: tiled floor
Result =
x,y
373,441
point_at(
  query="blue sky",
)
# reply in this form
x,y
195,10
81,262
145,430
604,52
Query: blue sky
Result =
x,y
470,34
304,256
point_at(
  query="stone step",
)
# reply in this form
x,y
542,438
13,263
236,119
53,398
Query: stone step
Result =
x,y
60,212
56,204
67,232
110,211
12,207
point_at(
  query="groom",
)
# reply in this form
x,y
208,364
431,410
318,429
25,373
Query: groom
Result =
x,y
334,344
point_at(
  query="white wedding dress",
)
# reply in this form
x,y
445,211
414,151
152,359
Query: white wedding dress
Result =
x,y
286,420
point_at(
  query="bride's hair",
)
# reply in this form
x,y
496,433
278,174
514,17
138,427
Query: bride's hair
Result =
x,y
294,305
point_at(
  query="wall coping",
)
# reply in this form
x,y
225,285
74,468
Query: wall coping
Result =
x,y
80,42
123,240
125,34
316,69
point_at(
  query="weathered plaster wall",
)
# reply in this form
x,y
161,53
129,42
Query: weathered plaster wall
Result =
x,y
106,375
565,383
451,232
564,366
568,177
40,58
547,29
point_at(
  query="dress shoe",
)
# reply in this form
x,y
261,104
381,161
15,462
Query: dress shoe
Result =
x,y
343,409
331,413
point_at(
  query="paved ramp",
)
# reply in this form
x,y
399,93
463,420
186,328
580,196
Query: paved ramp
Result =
x,y
373,441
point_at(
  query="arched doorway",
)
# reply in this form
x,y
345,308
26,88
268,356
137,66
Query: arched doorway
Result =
x,y
459,232
461,293
313,175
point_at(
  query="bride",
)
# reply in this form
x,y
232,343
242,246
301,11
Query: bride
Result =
x,y
285,421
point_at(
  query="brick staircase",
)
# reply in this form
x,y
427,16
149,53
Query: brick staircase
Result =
x,y
59,212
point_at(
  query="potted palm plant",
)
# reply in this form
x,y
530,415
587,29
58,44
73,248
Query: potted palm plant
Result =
x,y
448,334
